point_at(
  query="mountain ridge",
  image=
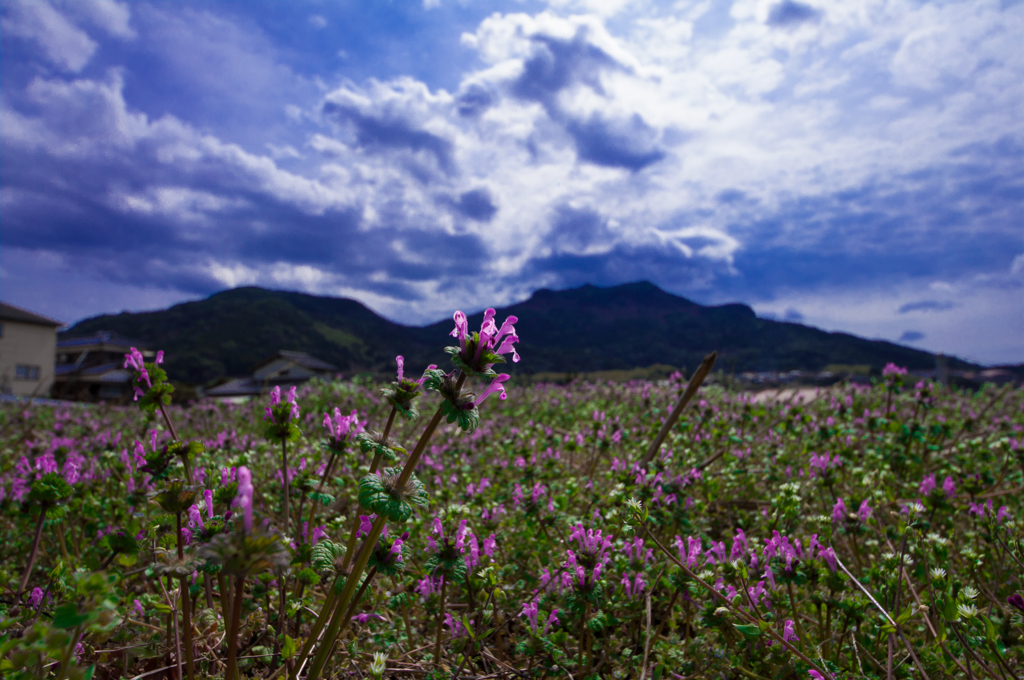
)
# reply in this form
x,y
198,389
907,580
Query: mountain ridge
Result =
x,y
583,329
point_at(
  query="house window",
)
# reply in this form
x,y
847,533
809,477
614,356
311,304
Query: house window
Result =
x,y
26,373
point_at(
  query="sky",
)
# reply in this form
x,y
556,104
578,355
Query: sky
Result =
x,y
853,165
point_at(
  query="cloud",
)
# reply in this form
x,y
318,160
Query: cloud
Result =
x,y
752,151
112,17
63,43
788,13
911,336
383,125
926,306
793,315
317,21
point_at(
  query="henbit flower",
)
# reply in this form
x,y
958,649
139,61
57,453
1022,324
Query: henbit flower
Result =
x,y
1003,513
788,633
530,611
949,487
927,485
319,533
829,556
135,360
864,512
1016,601
893,369
400,360
35,598
343,428
208,497
195,518
815,674
137,609
553,620
244,498
490,336
495,386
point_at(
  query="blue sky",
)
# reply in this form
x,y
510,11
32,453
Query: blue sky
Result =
x,y
857,166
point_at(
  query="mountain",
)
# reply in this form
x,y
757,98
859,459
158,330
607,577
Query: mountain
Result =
x,y
578,330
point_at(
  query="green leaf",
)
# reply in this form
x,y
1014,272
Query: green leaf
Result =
x,y
750,630
288,648
67,616
469,628
659,670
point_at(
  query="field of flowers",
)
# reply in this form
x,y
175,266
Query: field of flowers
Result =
x,y
418,529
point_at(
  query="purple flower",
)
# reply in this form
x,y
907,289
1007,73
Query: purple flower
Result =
x,y
137,609
195,518
829,556
927,485
788,633
244,498
893,369
400,360
495,339
864,512
1016,601
319,533
135,360
343,428
839,512
949,487
495,386
35,598
530,611
815,674
1003,512
553,620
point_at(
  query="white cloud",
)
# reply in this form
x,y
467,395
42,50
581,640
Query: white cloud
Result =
x,y
108,15
64,44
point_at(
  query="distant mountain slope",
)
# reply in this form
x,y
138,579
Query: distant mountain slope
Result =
x,y
578,330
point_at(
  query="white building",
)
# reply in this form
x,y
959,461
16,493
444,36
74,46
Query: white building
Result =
x,y
28,348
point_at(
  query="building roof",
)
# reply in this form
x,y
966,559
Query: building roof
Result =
x,y
10,312
236,387
108,338
299,358
102,373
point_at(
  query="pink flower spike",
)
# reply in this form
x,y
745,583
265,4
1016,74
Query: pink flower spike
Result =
x,y
864,512
400,360
245,491
159,357
495,386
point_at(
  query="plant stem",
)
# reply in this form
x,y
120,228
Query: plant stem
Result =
x,y
691,390
233,626
65,661
186,607
32,552
336,624
440,623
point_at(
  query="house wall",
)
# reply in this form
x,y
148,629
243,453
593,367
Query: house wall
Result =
x,y
26,344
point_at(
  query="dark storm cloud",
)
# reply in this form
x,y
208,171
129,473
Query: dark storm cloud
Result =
x,y
474,99
477,204
926,306
630,144
788,13
373,132
558,64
